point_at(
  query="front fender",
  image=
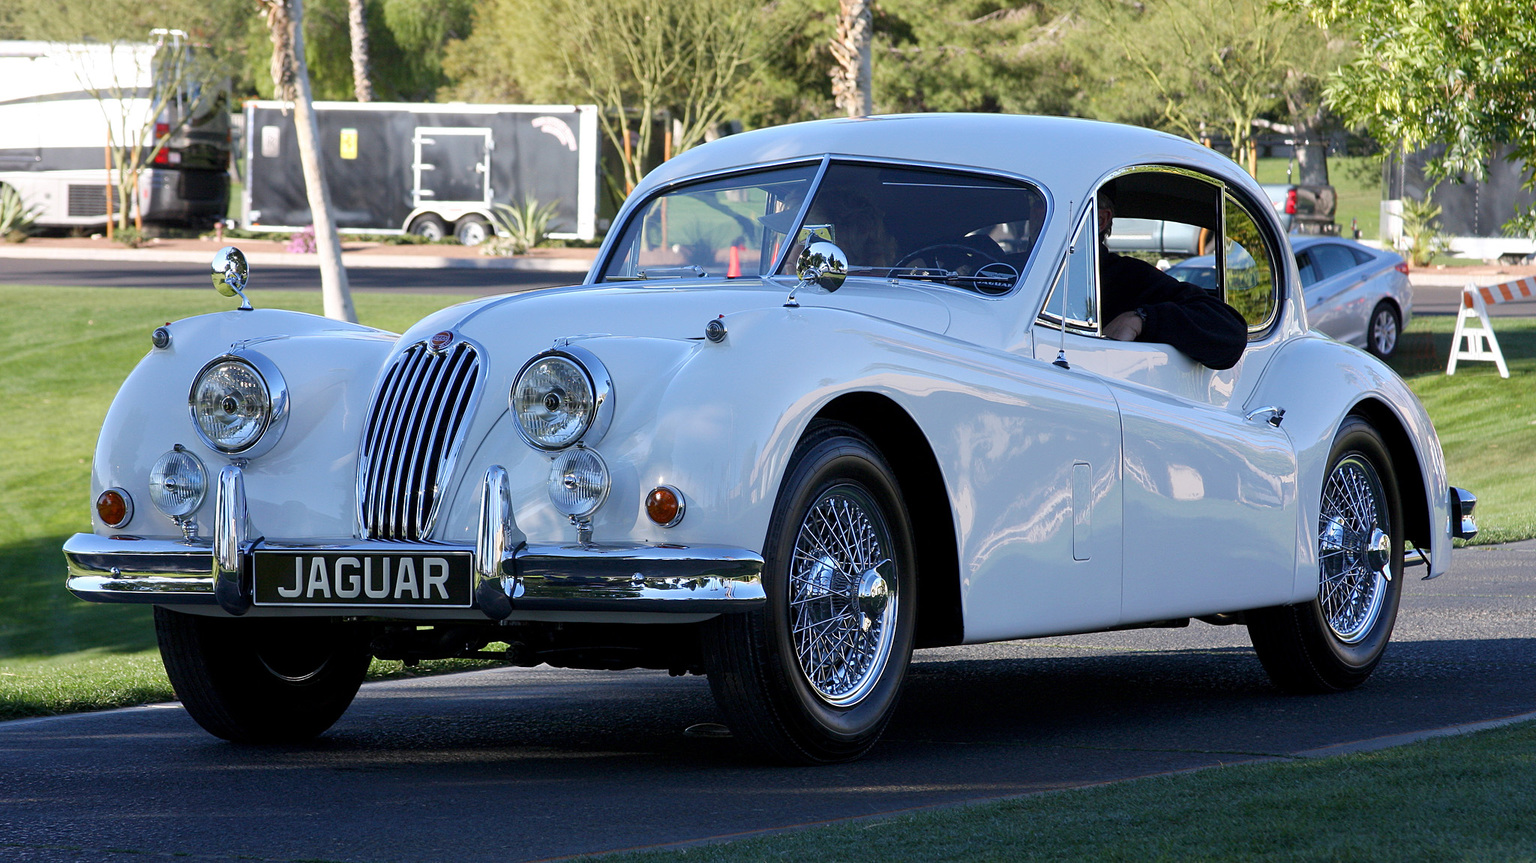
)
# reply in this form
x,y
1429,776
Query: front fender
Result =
x,y
1319,382
303,485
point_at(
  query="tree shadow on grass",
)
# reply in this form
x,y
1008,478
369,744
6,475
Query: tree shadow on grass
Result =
x,y
1420,353
39,617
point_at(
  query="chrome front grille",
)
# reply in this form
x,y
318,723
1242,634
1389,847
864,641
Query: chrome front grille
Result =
x,y
414,432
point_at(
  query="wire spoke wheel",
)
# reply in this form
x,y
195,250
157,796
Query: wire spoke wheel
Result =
x,y
1354,549
841,605
1335,641
815,675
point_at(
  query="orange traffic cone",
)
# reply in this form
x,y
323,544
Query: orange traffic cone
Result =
x,y
733,269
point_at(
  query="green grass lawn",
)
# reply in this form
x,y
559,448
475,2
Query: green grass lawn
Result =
x,y
1487,424
1466,798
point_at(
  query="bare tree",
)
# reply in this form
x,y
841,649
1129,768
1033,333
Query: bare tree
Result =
x,y
290,78
148,93
851,49
357,21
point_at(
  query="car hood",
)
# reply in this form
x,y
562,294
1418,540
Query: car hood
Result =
x,y
673,310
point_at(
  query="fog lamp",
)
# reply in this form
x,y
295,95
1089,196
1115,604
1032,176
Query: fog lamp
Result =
x,y
578,482
177,483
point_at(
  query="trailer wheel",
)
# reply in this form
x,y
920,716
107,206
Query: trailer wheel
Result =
x,y
472,230
429,226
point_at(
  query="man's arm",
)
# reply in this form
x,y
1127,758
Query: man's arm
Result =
x,y
1156,307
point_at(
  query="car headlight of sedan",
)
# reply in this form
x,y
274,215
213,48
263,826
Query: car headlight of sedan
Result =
x,y
561,397
239,404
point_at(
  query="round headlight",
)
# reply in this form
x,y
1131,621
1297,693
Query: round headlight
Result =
x,y
239,404
561,397
578,482
177,483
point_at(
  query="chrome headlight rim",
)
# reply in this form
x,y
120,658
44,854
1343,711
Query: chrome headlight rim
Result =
x,y
599,381
276,414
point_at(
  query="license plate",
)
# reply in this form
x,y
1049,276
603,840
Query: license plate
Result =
x,y
356,578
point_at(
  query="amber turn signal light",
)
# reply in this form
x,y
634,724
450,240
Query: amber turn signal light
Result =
x,y
664,505
114,507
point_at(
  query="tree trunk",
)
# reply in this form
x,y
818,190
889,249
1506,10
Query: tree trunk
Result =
x,y
290,74
851,49
357,20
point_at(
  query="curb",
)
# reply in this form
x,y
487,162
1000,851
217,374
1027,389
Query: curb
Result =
x,y
283,259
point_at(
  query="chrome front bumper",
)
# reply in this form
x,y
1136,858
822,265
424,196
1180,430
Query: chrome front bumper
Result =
x,y
510,574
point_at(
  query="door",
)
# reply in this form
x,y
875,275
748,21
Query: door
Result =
x,y
453,166
1208,489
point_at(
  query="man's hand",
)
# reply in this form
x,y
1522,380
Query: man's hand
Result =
x,y
1124,328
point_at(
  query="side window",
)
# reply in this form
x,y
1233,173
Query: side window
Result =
x,y
1306,269
1073,289
1332,259
1250,271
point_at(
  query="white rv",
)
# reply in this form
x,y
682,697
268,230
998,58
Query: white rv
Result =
x,y
61,105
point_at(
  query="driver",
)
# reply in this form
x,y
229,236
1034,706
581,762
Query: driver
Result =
x,y
1143,303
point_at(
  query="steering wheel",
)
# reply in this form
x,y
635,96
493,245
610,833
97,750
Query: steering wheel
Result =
x,y
938,255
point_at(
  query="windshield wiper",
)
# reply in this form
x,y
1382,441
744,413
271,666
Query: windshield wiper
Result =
x,y
683,272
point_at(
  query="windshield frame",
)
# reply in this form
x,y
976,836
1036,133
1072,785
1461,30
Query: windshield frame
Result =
x,y
635,208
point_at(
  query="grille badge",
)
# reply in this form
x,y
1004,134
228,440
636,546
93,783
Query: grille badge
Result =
x,y
441,341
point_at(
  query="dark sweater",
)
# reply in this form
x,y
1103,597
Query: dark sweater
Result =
x,y
1204,328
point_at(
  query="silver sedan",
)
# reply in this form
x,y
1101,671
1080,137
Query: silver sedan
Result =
x,y
1354,293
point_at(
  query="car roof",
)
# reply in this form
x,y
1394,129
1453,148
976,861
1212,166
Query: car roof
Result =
x,y
1066,153
1300,242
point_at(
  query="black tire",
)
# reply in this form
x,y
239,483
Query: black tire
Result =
x,y
472,230
262,681
1384,330
429,225
1334,642
775,694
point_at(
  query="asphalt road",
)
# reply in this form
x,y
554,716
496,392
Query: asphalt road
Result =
x,y
112,274
525,764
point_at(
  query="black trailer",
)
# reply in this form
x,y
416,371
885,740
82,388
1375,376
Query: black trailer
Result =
x,y
1472,212
433,170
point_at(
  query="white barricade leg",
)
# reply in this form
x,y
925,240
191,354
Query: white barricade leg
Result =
x,y
1481,343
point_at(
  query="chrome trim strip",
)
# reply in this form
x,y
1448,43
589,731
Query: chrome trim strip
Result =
x,y
616,577
638,576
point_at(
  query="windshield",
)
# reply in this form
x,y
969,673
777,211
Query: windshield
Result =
x,y
961,229
726,228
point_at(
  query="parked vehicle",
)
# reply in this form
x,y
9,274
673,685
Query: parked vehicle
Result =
x,y
62,104
1304,209
431,170
831,392
1354,293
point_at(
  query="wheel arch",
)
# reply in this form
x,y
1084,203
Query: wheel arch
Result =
x,y
939,622
1406,467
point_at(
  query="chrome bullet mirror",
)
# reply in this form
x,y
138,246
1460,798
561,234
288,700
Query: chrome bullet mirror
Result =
x,y
822,264
229,274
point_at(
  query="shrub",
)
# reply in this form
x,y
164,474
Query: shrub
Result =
x,y
1422,239
302,241
521,227
16,217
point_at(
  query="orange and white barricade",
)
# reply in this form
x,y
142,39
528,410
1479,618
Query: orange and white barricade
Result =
x,y
1480,342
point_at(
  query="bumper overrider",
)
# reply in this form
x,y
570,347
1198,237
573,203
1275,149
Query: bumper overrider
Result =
x,y
238,570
